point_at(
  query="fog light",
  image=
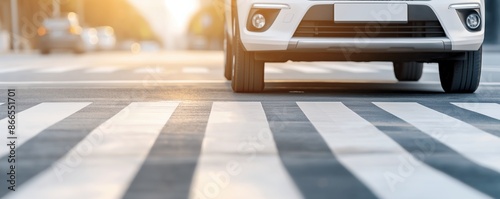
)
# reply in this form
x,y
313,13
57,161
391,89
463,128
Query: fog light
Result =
x,y
258,21
473,21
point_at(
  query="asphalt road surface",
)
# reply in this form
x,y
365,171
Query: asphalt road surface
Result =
x,y
167,125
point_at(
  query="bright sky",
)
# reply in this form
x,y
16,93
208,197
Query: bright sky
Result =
x,y
182,10
169,22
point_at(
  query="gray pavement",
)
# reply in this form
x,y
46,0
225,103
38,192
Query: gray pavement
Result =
x,y
166,125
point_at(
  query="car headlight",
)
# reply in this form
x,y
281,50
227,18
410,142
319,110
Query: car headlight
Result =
x,y
263,15
258,21
470,15
473,21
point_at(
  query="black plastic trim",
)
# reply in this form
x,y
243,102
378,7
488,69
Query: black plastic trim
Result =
x,y
319,22
326,13
284,56
269,14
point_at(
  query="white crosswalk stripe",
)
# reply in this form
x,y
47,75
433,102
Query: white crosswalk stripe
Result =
x,y
489,109
475,144
36,119
112,154
343,130
228,170
239,157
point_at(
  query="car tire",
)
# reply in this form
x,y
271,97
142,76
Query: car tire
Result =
x,y
462,76
228,54
248,73
408,71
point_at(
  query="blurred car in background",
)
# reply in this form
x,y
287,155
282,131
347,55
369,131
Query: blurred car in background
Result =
x,y
90,39
61,33
150,46
106,37
206,30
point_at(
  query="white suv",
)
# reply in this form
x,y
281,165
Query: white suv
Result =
x,y
407,33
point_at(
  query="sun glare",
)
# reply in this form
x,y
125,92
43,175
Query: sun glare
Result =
x,y
181,11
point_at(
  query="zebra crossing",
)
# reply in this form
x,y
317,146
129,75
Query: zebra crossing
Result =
x,y
343,129
223,149
456,134
38,120
131,133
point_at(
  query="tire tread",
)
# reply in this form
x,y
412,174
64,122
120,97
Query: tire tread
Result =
x,y
461,76
408,71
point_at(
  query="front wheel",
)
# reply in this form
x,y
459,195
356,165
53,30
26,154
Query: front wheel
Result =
x,y
408,71
462,76
248,74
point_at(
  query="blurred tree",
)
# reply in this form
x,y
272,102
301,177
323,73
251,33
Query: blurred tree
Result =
x,y
119,14
208,23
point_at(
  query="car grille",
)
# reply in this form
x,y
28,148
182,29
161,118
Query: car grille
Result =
x,y
412,29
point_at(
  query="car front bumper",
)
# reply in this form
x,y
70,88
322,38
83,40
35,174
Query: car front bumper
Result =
x,y
280,35
371,45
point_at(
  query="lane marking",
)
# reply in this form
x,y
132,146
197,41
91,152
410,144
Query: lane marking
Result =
x,y
149,70
308,69
429,69
272,70
106,69
489,109
195,70
473,143
354,140
34,120
13,69
238,155
109,163
60,69
490,68
349,69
